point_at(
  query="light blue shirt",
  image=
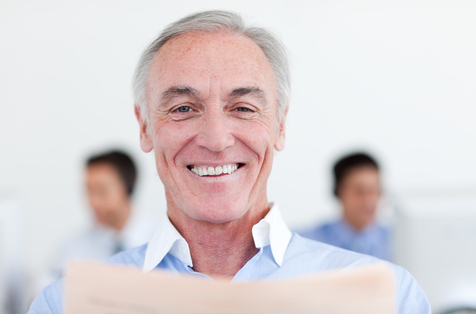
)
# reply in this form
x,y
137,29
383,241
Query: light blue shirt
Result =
x,y
372,240
281,255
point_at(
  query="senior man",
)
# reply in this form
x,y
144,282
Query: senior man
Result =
x,y
211,97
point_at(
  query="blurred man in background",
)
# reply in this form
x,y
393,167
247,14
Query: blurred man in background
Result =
x,y
110,181
357,186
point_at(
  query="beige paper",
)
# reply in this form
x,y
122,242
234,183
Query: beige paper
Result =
x,y
94,288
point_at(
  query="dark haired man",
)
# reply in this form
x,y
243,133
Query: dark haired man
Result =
x,y
110,181
357,186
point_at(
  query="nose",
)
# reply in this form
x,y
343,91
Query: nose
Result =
x,y
215,133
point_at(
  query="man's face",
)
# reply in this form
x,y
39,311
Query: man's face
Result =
x,y
106,193
359,194
212,104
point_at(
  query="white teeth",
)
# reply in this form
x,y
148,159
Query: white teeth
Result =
x,y
214,171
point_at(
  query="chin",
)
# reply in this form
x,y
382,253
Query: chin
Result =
x,y
218,212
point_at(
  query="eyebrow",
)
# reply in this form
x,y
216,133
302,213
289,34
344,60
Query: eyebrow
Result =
x,y
252,91
175,91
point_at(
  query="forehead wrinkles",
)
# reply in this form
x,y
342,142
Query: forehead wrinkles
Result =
x,y
210,56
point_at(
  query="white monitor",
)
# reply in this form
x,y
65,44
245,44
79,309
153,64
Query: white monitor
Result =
x,y
435,239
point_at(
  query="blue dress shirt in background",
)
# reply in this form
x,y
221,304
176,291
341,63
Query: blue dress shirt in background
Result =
x,y
372,240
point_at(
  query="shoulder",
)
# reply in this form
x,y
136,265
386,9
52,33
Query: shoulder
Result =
x,y
381,228
50,300
313,256
321,256
381,234
77,239
410,296
74,247
88,234
319,232
133,257
81,240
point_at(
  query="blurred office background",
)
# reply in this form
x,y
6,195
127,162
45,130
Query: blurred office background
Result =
x,y
397,79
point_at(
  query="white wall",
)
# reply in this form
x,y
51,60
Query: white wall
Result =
x,y
398,79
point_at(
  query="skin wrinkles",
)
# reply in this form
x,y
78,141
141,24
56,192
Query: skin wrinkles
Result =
x,y
251,101
177,91
229,93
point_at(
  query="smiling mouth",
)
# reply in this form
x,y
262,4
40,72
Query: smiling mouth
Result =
x,y
214,171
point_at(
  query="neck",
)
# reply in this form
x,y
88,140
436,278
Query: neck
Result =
x,y
219,250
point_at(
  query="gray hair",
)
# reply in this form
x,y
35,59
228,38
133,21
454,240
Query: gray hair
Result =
x,y
215,21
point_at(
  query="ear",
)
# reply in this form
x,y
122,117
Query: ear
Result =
x,y
145,141
279,144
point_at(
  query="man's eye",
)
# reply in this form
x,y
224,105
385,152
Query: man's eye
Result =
x,y
243,109
184,109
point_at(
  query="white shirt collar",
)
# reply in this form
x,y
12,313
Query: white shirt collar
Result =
x,y
271,230
166,240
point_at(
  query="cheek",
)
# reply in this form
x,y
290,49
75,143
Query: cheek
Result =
x,y
350,199
171,137
109,201
257,138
